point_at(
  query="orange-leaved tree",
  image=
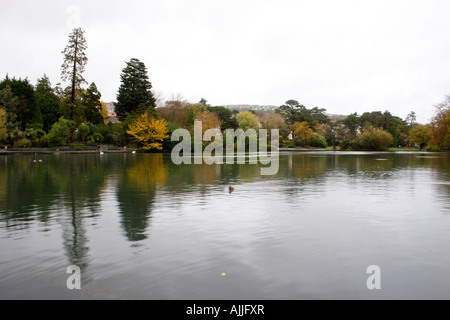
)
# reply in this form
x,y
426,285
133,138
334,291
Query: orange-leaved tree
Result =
x,y
303,132
148,131
209,121
440,125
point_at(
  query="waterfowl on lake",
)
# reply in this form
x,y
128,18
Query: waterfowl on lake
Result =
x,y
231,189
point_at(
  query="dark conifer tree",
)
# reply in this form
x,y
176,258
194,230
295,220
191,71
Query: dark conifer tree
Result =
x,y
135,90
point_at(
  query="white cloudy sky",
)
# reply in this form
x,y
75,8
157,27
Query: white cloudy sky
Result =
x,y
345,56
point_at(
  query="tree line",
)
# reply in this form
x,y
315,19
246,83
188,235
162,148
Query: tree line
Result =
x,y
44,116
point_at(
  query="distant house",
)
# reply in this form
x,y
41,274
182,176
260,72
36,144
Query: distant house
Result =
x,y
112,116
291,136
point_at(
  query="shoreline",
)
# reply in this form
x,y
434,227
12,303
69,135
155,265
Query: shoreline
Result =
x,y
11,152
64,151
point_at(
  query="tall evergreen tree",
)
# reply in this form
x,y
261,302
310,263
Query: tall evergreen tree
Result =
x,y
27,111
10,103
134,90
48,102
74,64
92,105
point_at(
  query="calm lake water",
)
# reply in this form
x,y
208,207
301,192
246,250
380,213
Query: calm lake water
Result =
x,y
140,227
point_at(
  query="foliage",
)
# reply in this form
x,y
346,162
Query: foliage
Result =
x,y
148,131
351,125
104,111
333,133
373,139
135,89
84,131
60,132
3,134
303,133
10,104
226,117
47,102
174,112
247,120
422,135
345,144
91,101
411,119
294,112
440,125
433,148
98,137
209,121
39,135
318,141
274,121
74,63
387,122
25,111
22,143
194,112
73,111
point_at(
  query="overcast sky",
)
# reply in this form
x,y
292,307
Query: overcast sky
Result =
x,y
345,56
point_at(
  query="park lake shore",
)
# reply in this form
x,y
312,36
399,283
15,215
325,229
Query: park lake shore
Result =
x,y
67,150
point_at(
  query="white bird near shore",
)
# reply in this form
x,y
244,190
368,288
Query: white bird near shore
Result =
x,y
101,153
134,152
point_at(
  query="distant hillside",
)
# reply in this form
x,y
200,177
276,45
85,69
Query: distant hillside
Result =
x,y
336,117
251,107
238,107
268,108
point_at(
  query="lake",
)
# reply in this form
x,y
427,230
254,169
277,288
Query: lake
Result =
x,y
140,227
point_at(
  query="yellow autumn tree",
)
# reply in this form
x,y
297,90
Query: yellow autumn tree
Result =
x,y
148,131
247,120
304,133
3,134
105,111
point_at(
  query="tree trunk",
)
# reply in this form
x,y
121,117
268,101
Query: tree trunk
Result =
x,y
74,77
74,74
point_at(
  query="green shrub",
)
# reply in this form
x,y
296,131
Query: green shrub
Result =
x,y
433,148
318,141
55,141
60,132
373,139
22,143
298,143
84,131
346,144
98,137
44,142
76,145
